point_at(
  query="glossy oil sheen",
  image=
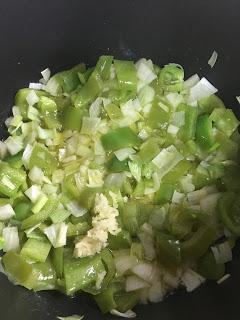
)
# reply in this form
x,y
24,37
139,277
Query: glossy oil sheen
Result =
x,y
61,33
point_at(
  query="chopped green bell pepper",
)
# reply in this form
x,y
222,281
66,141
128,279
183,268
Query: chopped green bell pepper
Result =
x,y
126,74
208,268
42,158
103,66
36,250
188,130
204,132
171,77
120,138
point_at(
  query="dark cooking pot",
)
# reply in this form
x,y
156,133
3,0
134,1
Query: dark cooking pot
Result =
x,y
59,34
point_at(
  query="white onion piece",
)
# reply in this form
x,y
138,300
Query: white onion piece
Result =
x,y
124,153
202,89
11,239
6,212
156,292
213,59
46,74
32,98
134,283
36,86
33,193
124,263
144,271
127,314
75,209
222,252
191,280
190,82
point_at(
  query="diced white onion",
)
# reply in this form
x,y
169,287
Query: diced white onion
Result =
x,y
32,98
95,108
36,86
8,183
146,238
52,86
191,280
95,178
167,159
135,170
209,203
177,197
134,283
33,193
125,263
14,144
186,183
238,99
174,99
57,234
143,134
76,209
178,118
190,82
145,72
115,180
146,95
58,176
127,314
11,239
3,150
202,89
224,278
222,252
27,154
156,292
46,74
195,196
36,175
90,125
172,129
40,203
144,271
124,153
6,212
213,59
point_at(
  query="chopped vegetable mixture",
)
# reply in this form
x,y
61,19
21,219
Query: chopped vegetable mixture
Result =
x,y
120,180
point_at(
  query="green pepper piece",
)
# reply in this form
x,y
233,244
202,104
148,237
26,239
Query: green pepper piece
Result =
x,y
229,148
36,250
157,117
173,176
129,214
15,161
10,179
164,193
149,150
18,269
188,130
81,274
77,229
126,300
231,177
57,260
126,74
229,213
59,215
207,105
204,132
22,210
44,276
73,118
69,79
21,102
87,197
103,66
120,138
171,77
113,111
106,300
46,104
41,216
168,250
198,244
121,241
109,264
43,159
114,165
208,268
225,120
89,91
